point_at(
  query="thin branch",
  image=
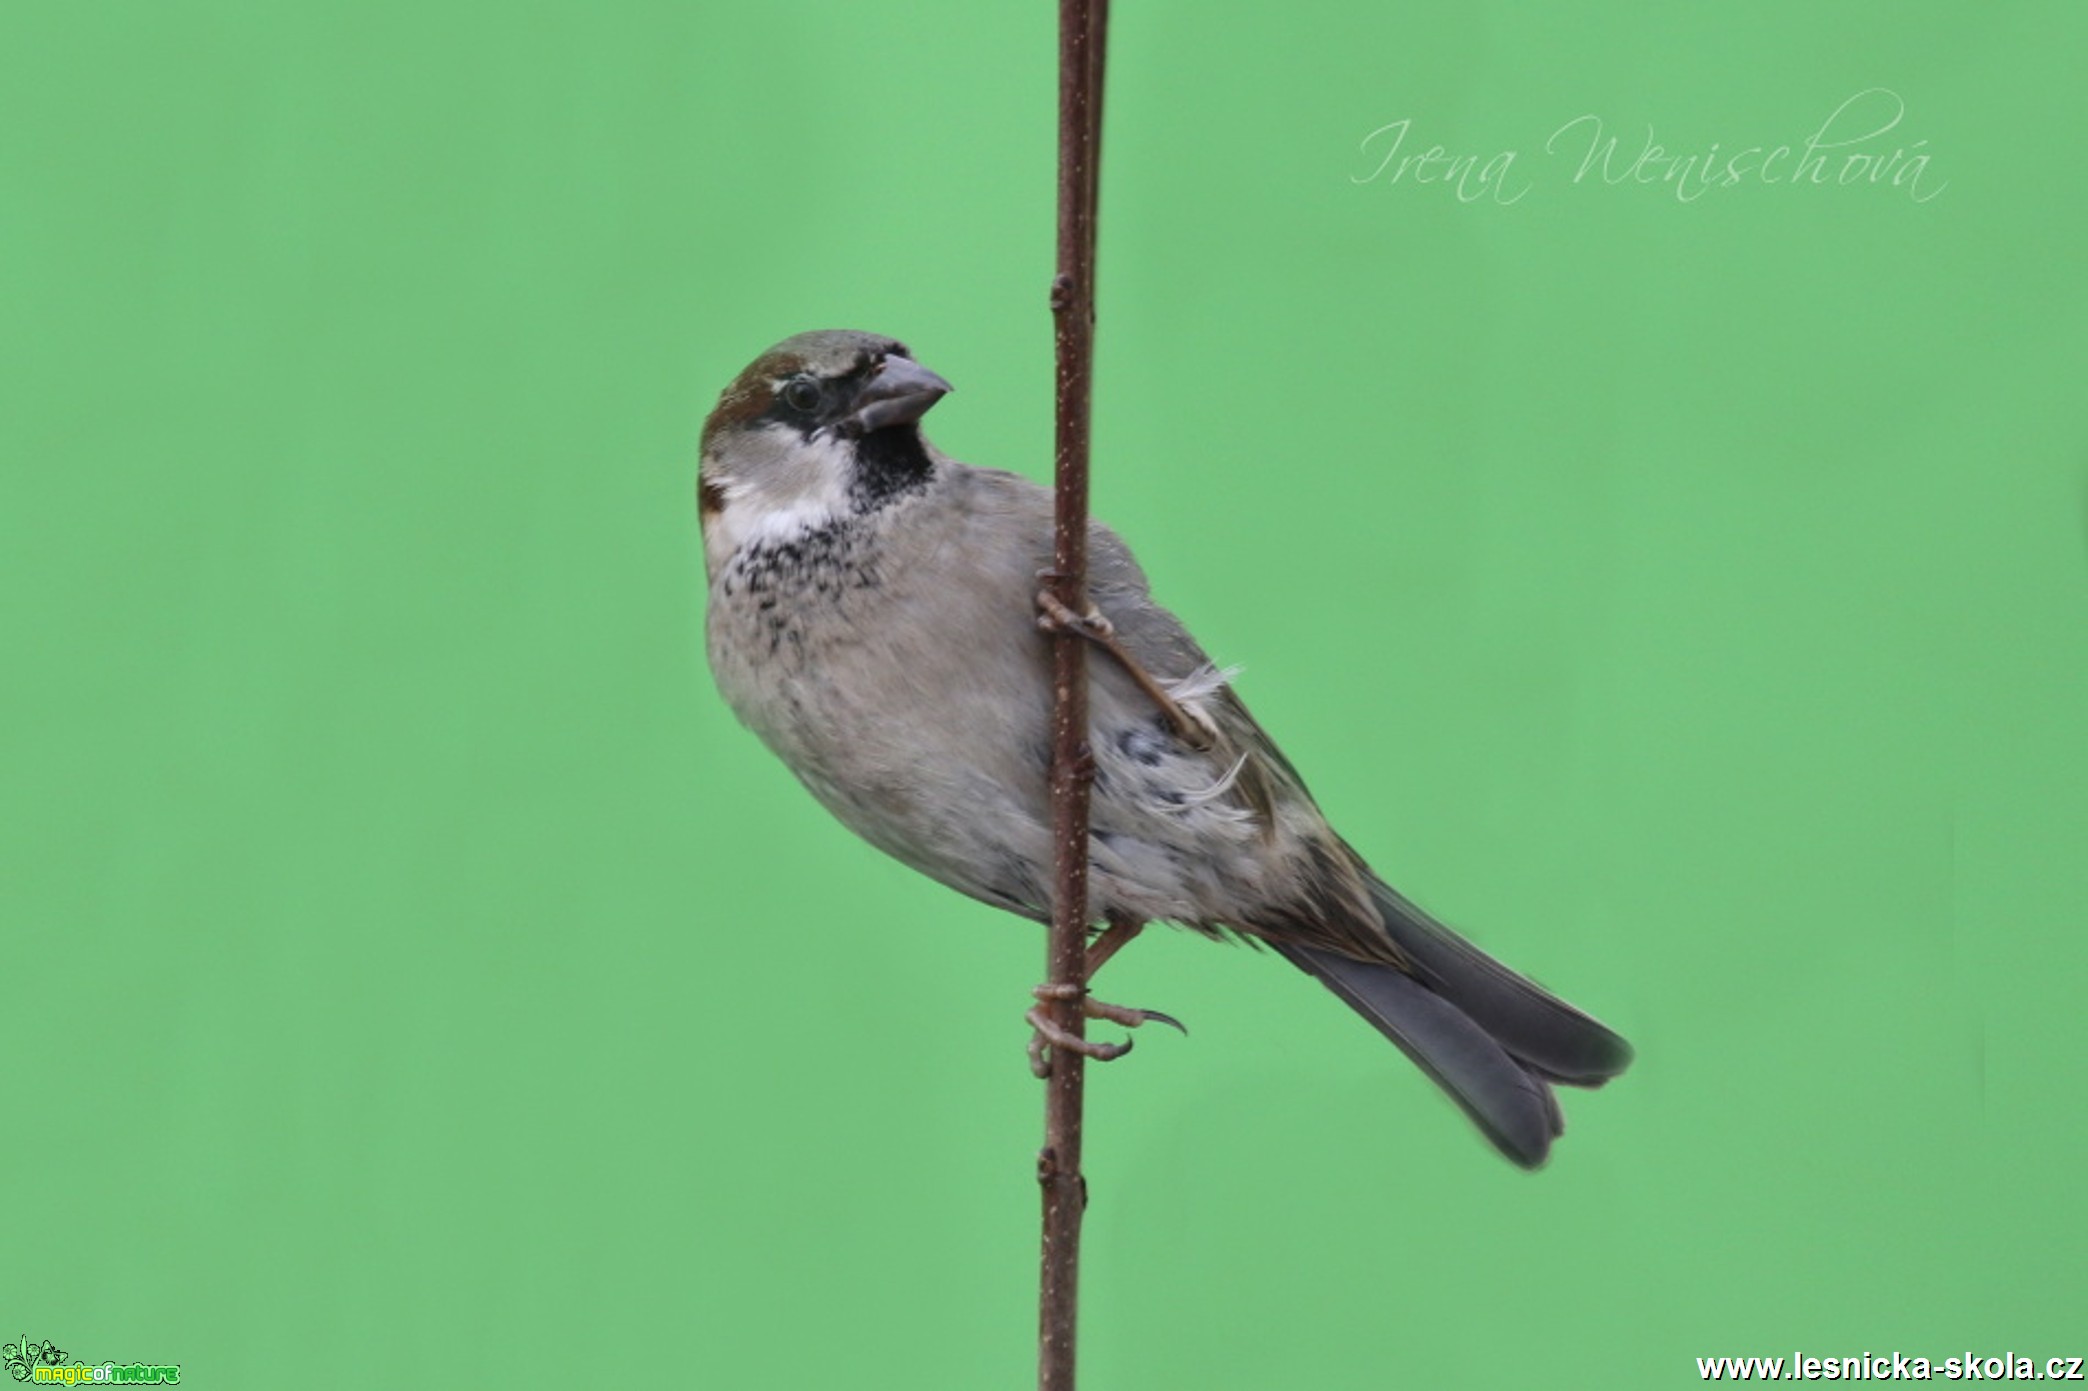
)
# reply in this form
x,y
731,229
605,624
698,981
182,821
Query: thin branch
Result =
x,y
1082,31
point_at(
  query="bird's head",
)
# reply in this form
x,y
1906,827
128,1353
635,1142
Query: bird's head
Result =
x,y
820,427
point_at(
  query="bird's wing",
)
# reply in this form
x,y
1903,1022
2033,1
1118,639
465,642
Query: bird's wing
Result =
x,y
1328,901
1160,643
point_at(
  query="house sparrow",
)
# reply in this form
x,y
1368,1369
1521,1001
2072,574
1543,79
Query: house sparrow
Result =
x,y
871,618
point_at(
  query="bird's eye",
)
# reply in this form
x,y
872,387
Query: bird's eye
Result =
x,y
801,395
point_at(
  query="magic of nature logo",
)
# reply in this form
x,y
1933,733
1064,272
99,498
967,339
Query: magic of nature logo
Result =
x,y
22,1357
26,1359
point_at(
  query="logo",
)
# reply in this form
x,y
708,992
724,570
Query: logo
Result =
x,y
46,1363
21,1358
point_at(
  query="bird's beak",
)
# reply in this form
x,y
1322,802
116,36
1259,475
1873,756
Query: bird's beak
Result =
x,y
900,393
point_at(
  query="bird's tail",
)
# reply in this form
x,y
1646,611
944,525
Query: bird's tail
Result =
x,y
1491,1039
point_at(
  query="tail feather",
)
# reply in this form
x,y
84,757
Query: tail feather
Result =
x,y
1511,1104
1540,1030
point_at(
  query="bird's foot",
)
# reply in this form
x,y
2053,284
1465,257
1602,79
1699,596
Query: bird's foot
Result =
x,y
1192,727
1049,1034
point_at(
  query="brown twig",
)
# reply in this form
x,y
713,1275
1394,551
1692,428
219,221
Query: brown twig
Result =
x,y
1083,26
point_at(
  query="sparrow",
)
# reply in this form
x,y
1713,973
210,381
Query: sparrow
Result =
x,y
872,617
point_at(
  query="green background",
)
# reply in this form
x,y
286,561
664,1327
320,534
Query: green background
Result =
x,y
410,969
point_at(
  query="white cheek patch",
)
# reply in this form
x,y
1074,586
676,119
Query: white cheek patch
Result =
x,y
737,526
777,485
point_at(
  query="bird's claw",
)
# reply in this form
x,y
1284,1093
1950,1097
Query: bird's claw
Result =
x,y
1049,1034
1054,617
1150,1016
1192,727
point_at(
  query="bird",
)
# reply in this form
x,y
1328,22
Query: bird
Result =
x,y
872,616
